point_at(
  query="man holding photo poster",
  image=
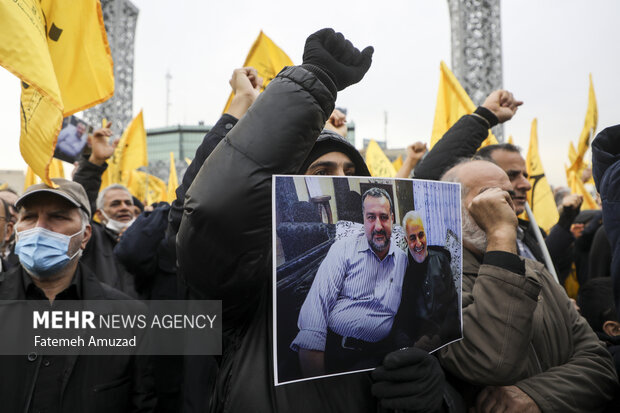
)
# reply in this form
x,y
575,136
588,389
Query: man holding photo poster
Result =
x,y
228,214
349,311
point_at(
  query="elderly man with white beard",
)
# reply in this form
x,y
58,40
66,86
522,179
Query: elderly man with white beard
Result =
x,y
525,348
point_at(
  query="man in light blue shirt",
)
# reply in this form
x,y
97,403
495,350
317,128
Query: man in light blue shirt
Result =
x,y
355,295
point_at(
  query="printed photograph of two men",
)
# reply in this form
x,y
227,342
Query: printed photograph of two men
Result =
x,y
362,267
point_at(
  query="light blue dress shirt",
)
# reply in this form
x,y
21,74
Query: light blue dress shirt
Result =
x,y
354,293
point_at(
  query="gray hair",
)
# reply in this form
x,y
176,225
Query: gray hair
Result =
x,y
414,216
471,231
101,195
85,218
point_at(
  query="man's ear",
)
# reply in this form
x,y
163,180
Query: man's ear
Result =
x,y
99,216
9,230
87,233
611,328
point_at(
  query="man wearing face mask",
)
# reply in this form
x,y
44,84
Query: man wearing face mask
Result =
x,y
52,231
114,209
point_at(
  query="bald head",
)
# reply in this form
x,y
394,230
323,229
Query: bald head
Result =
x,y
476,176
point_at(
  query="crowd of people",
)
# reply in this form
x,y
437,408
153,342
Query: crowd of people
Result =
x,y
526,346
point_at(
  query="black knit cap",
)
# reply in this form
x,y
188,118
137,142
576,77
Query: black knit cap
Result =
x,y
329,141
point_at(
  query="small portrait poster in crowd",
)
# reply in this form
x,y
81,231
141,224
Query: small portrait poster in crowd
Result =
x,y
72,139
362,267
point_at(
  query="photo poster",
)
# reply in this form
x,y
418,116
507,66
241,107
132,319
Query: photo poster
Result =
x,y
72,139
351,284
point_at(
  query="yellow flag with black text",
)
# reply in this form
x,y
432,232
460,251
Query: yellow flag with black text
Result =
x,y
378,163
173,182
24,52
540,197
267,58
37,44
452,103
78,46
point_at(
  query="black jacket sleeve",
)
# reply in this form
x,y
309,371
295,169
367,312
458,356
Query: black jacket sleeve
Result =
x,y
224,241
138,247
209,142
462,140
89,176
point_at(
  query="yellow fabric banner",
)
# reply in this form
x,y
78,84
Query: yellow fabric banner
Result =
x,y
510,140
133,146
78,46
267,58
49,45
24,52
31,178
574,172
56,170
147,188
540,197
398,163
173,182
378,163
452,103
587,133
577,187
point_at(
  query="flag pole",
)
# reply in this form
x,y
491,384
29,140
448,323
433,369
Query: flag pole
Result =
x,y
541,242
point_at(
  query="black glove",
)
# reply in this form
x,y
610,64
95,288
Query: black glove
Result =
x,y
409,379
337,57
567,216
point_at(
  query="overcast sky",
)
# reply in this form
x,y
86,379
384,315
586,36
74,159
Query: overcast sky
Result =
x,y
549,47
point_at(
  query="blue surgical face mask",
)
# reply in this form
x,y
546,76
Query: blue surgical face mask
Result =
x,y
43,252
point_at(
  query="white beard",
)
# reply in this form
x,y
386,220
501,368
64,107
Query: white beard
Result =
x,y
472,233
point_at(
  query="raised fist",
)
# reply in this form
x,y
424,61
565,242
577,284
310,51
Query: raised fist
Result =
x,y
337,57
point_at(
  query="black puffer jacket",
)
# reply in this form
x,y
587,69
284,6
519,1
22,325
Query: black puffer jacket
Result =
x,y
224,248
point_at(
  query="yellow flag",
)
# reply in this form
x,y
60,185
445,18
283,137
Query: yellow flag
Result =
x,y
510,140
452,103
267,58
147,188
173,182
24,52
131,151
540,197
398,163
590,123
572,153
56,169
378,163
4,186
188,161
587,133
31,178
78,46
577,187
